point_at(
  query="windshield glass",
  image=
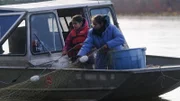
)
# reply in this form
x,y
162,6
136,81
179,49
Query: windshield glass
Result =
x,y
45,35
103,11
6,22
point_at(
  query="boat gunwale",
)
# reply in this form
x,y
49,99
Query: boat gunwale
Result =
x,y
138,70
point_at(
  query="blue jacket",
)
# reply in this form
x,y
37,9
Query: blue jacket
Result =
x,y
112,36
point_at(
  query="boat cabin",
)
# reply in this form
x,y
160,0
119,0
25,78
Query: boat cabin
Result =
x,y
33,34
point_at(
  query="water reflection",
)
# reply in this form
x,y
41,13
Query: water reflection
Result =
x,y
146,99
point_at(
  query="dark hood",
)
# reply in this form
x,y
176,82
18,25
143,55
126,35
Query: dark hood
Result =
x,y
107,20
106,24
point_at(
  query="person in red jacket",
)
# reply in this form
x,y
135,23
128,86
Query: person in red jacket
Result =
x,y
76,37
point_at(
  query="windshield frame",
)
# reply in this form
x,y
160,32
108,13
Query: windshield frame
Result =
x,y
13,26
46,51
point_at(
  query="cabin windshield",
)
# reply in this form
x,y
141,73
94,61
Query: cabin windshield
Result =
x,y
105,11
6,11
12,33
6,22
15,43
45,35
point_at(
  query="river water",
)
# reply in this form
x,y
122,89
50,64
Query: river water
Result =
x,y
159,34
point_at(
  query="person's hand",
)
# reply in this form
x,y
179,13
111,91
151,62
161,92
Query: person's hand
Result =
x,y
104,49
83,59
105,46
64,53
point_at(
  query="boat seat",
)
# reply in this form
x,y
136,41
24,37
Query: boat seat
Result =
x,y
65,34
17,41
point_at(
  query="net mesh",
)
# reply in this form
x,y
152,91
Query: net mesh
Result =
x,y
38,90
48,83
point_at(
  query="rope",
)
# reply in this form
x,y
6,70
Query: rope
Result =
x,y
175,79
49,63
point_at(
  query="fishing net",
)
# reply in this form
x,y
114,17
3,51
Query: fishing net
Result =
x,y
46,82
28,90
39,86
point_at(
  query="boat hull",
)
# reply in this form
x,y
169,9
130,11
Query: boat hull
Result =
x,y
98,84
147,84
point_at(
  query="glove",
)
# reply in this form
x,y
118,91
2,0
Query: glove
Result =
x,y
83,59
104,49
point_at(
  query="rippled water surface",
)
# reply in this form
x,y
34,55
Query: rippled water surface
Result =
x,y
159,34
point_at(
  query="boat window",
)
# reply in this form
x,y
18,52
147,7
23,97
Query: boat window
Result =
x,y
52,26
15,44
65,17
45,35
105,11
68,18
6,11
65,21
6,22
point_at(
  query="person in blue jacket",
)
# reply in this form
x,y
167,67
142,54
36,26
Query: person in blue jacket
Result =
x,y
105,36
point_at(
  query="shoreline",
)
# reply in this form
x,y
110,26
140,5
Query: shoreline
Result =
x,y
146,6
150,14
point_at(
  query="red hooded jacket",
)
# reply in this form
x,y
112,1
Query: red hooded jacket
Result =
x,y
75,37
